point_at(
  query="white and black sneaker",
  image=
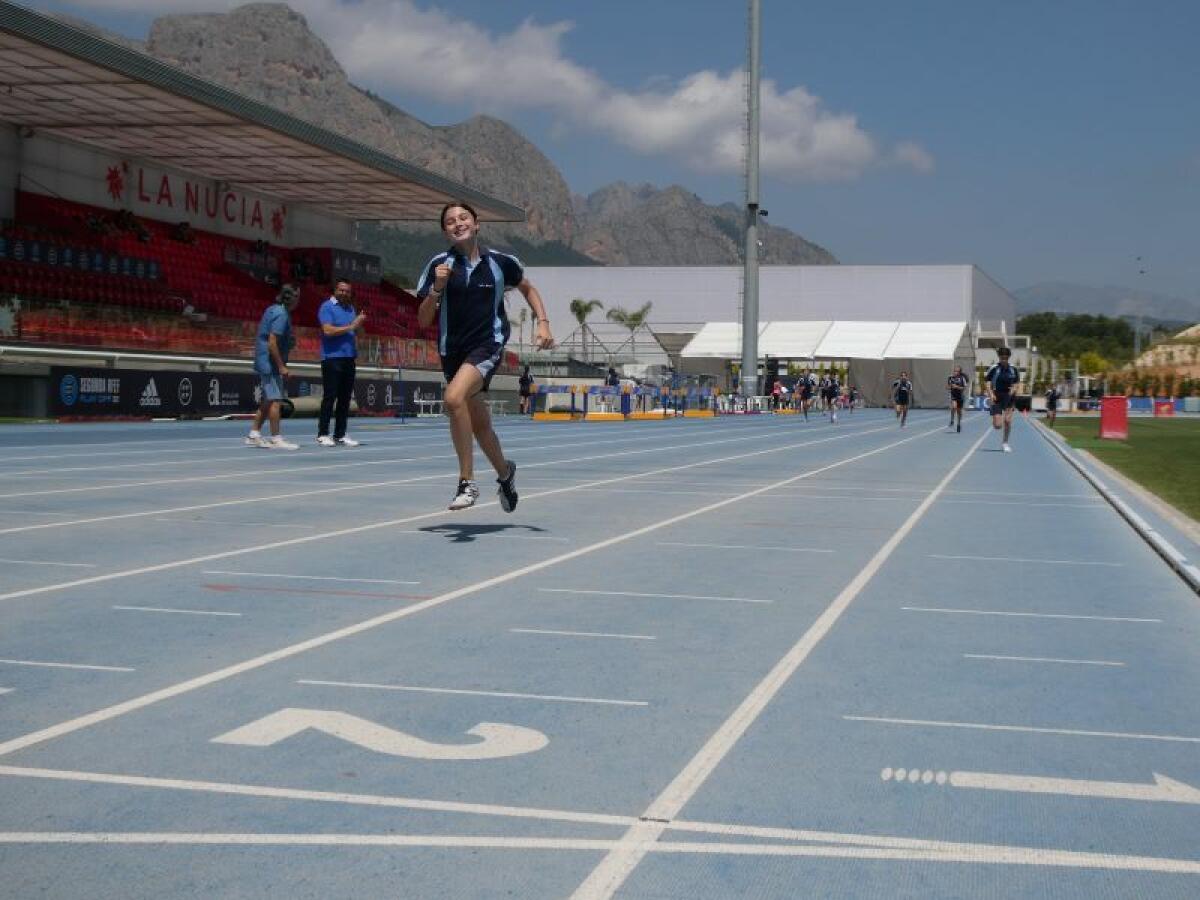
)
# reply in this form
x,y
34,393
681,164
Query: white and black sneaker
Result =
x,y
508,488
465,496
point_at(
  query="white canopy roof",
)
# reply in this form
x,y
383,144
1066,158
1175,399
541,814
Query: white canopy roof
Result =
x,y
857,340
720,340
791,340
833,340
926,340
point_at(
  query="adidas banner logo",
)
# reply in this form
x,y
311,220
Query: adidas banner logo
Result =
x,y
150,395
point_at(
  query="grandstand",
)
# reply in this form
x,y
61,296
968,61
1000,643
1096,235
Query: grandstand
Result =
x,y
146,211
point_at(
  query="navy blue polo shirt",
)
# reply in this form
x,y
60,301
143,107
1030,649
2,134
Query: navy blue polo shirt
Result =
x,y
472,310
1002,377
337,346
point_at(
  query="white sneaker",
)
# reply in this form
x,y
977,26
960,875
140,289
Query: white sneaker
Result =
x,y
348,441
254,440
278,443
325,440
1007,449
465,496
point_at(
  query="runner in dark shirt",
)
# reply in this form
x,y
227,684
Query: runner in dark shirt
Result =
x,y
831,390
463,290
1002,380
1052,396
957,385
526,390
902,391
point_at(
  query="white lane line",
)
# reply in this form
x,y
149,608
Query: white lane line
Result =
x,y
1046,659
673,493
440,513
255,790
977,854
1027,615
4,690
59,665
1026,503
628,439
652,596
224,523
311,492
470,693
39,562
1018,559
1074,732
595,634
742,547
607,877
308,577
946,850
186,612
111,712
241,454
800,494
231,441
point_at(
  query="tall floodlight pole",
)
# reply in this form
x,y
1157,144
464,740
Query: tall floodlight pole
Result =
x,y
749,382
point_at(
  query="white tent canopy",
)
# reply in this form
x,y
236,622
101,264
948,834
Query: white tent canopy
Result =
x,y
857,340
718,340
791,340
877,351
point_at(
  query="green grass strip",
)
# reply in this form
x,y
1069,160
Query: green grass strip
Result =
x,y
1162,455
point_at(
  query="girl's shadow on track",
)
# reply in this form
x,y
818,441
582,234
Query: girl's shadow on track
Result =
x,y
466,532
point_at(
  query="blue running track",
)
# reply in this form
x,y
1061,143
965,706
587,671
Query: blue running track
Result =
x,y
752,657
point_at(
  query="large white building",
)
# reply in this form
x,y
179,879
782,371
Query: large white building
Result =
x,y
699,294
879,319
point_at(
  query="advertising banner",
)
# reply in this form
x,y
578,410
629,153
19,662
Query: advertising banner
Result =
x,y
81,391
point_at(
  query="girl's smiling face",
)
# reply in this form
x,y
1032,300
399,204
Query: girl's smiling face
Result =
x,y
459,225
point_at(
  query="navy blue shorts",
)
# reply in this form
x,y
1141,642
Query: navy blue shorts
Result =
x,y
902,398
956,397
1003,402
486,358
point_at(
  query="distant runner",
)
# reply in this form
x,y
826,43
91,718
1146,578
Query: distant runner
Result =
x,y
957,384
805,387
1052,396
1001,379
831,389
902,391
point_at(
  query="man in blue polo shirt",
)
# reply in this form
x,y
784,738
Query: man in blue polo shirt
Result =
x,y
339,350
272,344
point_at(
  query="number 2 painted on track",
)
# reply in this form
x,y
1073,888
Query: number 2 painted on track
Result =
x,y
497,739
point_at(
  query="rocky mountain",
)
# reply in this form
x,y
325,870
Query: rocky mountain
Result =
x,y
634,226
1066,297
267,51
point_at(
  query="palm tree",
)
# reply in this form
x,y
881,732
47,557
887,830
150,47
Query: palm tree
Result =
x,y
581,309
631,320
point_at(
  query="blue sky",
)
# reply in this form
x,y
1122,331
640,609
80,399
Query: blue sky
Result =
x,y
1042,141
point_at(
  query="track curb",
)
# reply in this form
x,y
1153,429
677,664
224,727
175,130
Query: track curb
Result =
x,y
1186,570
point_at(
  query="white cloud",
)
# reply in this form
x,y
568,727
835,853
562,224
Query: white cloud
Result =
x,y
913,155
402,50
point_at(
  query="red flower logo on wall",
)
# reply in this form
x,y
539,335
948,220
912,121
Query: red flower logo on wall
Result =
x,y
277,220
116,182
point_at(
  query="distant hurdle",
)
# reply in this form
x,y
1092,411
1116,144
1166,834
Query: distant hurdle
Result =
x,y
624,403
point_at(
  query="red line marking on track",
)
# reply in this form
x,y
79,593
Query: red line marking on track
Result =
x,y
228,588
